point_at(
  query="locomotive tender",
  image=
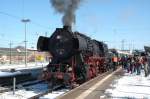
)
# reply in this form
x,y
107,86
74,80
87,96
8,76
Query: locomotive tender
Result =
x,y
76,57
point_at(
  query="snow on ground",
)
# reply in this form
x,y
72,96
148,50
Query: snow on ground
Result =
x,y
54,94
25,93
130,86
5,74
21,94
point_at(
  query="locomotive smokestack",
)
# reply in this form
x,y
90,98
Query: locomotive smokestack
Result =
x,y
67,8
67,28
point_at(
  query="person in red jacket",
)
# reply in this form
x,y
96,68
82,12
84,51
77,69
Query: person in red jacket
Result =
x,y
114,60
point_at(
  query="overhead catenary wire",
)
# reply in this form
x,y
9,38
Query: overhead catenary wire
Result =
x,y
10,15
19,18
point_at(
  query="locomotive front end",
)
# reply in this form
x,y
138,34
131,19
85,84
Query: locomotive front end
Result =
x,y
62,44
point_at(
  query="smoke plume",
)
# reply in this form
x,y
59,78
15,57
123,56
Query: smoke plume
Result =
x,y
67,8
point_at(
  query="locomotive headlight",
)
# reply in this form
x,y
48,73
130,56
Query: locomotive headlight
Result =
x,y
58,37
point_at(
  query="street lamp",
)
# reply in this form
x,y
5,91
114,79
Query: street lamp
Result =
x,y
25,21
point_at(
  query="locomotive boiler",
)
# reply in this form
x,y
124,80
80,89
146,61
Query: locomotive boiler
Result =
x,y
76,57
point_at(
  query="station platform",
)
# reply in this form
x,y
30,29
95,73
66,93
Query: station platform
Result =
x,y
113,85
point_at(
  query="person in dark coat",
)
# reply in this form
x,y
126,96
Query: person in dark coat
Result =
x,y
138,65
145,64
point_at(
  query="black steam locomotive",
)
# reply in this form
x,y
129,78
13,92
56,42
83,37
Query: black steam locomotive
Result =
x,y
76,57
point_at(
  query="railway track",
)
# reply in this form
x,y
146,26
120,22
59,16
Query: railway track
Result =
x,y
20,85
45,93
26,87
38,93
88,83
4,89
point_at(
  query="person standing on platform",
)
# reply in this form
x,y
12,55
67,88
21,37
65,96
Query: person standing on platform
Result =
x,y
145,64
129,64
114,60
138,65
123,62
132,64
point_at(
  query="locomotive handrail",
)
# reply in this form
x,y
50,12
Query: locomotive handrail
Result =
x,y
58,64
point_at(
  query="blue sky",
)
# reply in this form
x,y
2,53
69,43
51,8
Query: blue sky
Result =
x,y
105,20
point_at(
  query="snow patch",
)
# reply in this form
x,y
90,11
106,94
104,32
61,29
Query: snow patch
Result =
x,y
130,86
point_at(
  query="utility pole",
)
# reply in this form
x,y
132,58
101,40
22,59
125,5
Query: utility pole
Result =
x,y
133,46
122,43
45,34
129,48
10,55
115,34
25,21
